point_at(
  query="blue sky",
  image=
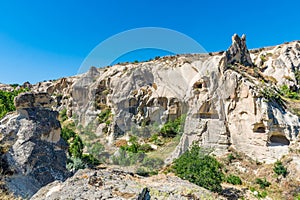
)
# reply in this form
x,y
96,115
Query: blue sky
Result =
x,y
41,40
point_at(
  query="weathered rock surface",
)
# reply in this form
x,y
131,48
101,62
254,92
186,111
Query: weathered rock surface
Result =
x,y
115,183
36,154
224,107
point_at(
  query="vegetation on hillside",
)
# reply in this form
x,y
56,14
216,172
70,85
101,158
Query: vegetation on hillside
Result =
x,y
7,101
76,158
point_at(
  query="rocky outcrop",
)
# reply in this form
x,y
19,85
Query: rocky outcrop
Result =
x,y
237,53
116,183
35,154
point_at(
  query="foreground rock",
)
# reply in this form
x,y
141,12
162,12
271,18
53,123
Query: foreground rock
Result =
x,y
34,153
114,183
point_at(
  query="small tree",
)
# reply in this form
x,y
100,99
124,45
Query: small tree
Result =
x,y
197,166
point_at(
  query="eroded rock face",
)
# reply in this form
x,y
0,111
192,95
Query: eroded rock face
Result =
x,y
223,106
36,154
236,53
118,184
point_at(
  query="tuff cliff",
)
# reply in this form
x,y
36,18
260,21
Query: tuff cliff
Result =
x,y
220,93
233,101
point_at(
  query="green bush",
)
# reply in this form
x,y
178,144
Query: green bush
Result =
x,y
198,167
63,115
272,95
77,160
279,169
74,141
263,183
234,180
286,92
104,116
7,101
75,164
172,128
135,147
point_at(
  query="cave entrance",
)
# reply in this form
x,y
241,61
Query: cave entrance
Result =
x,y
279,139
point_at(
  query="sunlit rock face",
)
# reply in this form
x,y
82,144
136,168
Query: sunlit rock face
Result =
x,y
218,92
36,154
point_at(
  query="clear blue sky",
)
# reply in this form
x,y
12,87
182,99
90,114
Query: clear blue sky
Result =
x,y
41,40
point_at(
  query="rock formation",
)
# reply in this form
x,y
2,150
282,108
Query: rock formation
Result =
x,y
36,154
114,183
221,94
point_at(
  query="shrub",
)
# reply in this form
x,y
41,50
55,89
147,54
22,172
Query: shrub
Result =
x,y
279,169
286,91
74,141
272,95
75,151
75,164
7,101
196,166
104,116
63,115
234,180
172,128
262,183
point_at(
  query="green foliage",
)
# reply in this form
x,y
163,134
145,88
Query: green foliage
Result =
x,y
286,92
234,180
263,183
104,116
75,164
172,128
272,95
7,101
135,147
279,169
198,167
63,115
262,194
74,141
156,140
77,160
